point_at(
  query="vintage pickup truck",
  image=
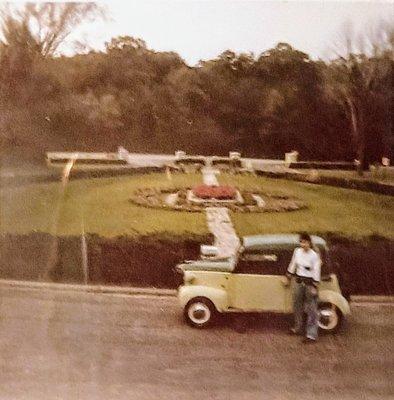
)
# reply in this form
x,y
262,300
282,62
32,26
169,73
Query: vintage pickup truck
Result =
x,y
253,281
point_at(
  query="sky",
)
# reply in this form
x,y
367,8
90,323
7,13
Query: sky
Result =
x,y
202,29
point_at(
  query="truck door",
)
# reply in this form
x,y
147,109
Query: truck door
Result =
x,y
256,283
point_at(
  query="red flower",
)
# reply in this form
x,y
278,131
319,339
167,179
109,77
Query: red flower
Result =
x,y
223,192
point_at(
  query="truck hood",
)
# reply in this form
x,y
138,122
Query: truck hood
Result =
x,y
222,265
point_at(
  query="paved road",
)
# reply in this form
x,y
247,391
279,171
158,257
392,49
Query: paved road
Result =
x,y
67,345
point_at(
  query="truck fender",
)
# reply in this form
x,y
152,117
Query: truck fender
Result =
x,y
218,297
328,296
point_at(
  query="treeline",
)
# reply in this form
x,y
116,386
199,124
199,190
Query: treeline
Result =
x,y
129,95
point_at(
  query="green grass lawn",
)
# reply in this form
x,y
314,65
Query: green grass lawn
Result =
x,y
343,211
102,206
96,205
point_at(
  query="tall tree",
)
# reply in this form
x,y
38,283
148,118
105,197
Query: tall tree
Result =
x,y
48,23
30,35
362,84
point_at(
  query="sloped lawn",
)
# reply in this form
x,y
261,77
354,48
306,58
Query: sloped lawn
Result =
x,y
134,245
99,206
344,212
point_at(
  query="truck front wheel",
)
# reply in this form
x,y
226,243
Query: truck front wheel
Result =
x,y
200,312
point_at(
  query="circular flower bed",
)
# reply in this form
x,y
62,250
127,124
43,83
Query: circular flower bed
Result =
x,y
244,201
221,192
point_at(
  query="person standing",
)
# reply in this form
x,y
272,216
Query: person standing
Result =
x,y
305,267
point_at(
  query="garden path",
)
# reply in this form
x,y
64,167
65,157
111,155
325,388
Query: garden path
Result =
x,y
219,221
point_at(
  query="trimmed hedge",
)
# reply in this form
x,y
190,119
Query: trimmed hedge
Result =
x,y
366,186
41,257
140,261
110,173
365,267
55,175
344,166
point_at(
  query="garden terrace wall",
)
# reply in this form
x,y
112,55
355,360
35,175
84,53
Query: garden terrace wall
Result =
x,y
365,267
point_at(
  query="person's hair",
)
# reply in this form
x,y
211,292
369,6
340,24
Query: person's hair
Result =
x,y
305,236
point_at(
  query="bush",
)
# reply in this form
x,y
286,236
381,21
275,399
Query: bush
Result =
x,y
131,261
143,261
366,186
344,166
364,267
41,256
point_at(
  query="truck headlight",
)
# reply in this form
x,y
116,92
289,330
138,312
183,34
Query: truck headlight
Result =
x,y
188,277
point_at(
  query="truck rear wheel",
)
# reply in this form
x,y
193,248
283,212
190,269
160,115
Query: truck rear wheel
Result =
x,y
330,317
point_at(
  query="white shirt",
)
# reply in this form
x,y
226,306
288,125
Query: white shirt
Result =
x,y
305,264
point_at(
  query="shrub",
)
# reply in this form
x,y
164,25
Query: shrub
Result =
x,y
363,267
